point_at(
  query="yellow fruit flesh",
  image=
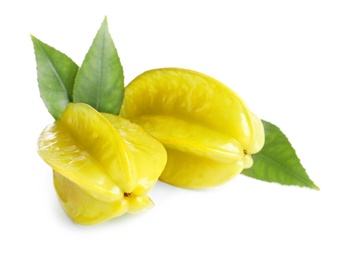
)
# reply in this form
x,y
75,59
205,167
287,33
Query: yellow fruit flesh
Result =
x,y
84,209
149,154
208,131
190,171
259,134
62,152
192,96
103,165
176,133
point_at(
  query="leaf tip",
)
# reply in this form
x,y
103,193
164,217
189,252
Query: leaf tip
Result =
x,y
34,39
315,187
105,21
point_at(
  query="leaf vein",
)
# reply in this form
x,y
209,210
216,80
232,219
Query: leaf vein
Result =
x,y
53,69
287,169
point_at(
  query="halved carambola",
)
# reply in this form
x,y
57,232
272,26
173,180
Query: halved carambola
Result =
x,y
103,165
207,129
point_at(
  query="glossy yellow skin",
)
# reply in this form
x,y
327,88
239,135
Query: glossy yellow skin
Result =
x,y
103,165
206,128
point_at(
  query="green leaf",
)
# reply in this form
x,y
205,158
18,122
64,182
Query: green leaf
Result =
x,y
100,82
278,162
56,77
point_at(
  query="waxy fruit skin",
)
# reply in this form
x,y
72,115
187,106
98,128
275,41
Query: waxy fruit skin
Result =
x,y
208,131
104,166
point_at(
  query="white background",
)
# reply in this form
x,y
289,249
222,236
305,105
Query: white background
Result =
x,y
282,57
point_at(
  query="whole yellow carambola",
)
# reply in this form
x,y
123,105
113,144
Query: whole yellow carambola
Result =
x,y
206,128
103,165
